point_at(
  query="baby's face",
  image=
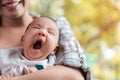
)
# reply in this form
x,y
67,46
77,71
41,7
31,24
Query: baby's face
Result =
x,y
40,39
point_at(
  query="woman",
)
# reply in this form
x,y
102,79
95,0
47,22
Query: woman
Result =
x,y
13,22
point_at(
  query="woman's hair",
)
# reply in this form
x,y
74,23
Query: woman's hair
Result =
x,y
0,3
0,20
0,13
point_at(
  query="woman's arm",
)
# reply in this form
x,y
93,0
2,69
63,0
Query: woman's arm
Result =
x,y
52,73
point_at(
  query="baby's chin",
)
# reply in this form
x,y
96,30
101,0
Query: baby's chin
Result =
x,y
35,59
32,54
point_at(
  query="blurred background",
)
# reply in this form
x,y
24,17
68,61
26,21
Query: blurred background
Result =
x,y
96,25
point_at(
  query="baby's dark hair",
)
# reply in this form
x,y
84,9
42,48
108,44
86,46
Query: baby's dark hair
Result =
x,y
42,17
49,18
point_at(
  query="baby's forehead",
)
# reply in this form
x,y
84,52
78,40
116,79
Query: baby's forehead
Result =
x,y
44,22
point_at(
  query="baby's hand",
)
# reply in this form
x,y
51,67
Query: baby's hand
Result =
x,y
29,70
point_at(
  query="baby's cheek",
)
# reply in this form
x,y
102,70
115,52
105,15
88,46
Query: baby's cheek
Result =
x,y
48,36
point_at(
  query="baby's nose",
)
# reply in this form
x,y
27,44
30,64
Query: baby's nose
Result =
x,y
42,32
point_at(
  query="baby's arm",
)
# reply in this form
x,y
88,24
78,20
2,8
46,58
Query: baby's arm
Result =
x,y
13,69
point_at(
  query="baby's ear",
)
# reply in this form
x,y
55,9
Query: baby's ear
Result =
x,y
22,40
56,49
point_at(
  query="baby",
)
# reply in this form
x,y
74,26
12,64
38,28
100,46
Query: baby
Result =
x,y
40,43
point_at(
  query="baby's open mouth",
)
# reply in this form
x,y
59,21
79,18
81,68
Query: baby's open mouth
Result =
x,y
37,44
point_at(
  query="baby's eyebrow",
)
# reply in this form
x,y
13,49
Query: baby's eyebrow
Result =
x,y
50,28
39,25
28,27
36,25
